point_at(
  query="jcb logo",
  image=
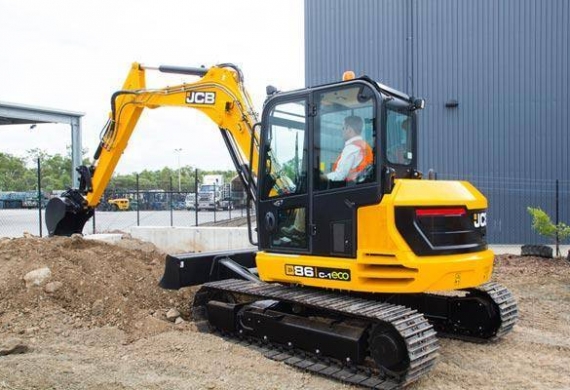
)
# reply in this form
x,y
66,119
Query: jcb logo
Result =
x,y
480,220
201,98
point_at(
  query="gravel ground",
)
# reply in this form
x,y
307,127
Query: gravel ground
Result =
x,y
105,327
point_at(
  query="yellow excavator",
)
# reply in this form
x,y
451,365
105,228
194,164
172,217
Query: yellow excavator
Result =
x,y
346,277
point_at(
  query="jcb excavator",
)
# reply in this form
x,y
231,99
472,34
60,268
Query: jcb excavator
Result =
x,y
345,278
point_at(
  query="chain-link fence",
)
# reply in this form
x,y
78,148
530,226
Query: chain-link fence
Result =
x,y
119,210
508,219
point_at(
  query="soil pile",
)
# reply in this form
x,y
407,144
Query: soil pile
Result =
x,y
87,284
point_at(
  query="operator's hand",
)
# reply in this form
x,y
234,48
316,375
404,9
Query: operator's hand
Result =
x,y
287,184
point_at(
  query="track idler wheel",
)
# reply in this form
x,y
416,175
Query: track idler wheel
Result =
x,y
388,350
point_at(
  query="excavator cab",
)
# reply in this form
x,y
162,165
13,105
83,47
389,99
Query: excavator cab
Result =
x,y
303,137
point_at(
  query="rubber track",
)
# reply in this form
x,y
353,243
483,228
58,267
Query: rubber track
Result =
x,y
508,312
507,304
419,335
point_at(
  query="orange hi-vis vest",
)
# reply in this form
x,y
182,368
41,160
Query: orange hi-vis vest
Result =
x,y
367,159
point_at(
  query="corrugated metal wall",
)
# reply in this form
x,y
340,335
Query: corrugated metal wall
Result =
x,y
507,64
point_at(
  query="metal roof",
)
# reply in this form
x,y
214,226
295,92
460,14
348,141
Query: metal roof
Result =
x,y
21,114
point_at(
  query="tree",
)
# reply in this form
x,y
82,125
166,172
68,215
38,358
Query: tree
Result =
x,y
542,224
14,176
56,169
20,174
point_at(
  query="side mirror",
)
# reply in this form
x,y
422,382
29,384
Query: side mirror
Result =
x,y
271,90
418,104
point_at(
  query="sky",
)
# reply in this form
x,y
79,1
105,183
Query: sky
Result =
x,y
72,55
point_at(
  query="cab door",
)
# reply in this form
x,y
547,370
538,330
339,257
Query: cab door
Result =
x,y
348,117
284,206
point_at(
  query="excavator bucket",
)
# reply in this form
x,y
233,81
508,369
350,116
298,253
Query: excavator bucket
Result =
x,y
67,214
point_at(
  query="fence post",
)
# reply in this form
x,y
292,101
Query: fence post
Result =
x,y
230,207
171,211
557,220
215,206
138,203
40,194
196,196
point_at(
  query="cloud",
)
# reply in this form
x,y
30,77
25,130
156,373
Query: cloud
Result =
x,y
73,55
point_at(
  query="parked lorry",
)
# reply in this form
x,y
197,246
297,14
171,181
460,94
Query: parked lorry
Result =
x,y
21,199
214,193
238,193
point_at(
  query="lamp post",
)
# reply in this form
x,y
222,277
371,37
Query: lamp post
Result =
x,y
178,150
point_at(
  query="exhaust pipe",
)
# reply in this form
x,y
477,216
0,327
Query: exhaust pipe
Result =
x,y
67,214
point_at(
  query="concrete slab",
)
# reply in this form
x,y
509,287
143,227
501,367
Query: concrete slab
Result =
x,y
193,239
205,239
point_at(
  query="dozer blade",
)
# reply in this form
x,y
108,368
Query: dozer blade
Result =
x,y
66,215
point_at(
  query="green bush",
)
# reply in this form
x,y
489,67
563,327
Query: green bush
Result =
x,y
542,224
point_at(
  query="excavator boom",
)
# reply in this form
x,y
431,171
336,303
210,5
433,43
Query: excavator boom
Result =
x,y
219,94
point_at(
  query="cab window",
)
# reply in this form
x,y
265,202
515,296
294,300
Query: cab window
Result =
x,y
399,138
345,137
285,156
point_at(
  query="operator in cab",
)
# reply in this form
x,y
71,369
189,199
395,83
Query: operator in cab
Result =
x,y
356,154
355,157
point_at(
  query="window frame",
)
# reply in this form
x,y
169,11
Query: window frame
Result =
x,y
377,130
411,133
266,128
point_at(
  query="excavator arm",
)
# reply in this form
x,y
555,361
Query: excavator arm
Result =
x,y
219,93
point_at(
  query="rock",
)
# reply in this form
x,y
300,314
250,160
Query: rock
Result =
x,y
179,321
37,277
13,346
172,315
31,330
52,287
97,308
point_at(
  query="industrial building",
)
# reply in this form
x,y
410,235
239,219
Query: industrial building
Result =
x,y
495,75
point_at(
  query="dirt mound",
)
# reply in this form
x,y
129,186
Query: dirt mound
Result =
x,y
90,284
68,344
